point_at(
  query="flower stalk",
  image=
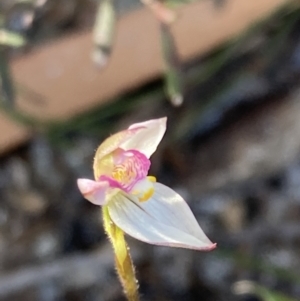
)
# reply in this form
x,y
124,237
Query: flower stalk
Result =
x,y
124,265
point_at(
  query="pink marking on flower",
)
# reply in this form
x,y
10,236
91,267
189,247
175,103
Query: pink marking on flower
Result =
x,y
93,191
129,167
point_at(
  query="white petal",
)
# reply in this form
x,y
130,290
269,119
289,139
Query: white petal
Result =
x,y
147,139
164,220
93,191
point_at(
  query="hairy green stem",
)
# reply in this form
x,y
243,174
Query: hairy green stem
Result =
x,y
124,265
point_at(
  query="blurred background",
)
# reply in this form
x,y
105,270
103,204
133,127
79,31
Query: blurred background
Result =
x,y
225,73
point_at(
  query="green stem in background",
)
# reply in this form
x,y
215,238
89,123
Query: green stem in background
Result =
x,y
160,10
7,39
173,75
103,32
22,117
8,95
124,265
6,83
246,287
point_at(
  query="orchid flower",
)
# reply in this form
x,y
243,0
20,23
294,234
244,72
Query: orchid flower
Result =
x,y
141,207
134,202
